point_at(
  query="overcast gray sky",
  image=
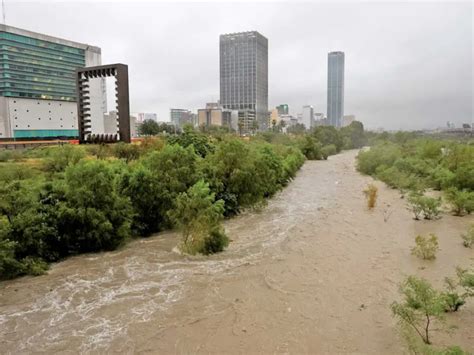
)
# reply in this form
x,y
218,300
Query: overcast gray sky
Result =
x,y
408,65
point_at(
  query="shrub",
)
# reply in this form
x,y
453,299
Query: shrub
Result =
x,y
420,306
426,247
462,201
429,207
63,156
100,151
200,142
215,242
328,150
452,299
458,290
153,185
127,152
370,193
468,237
92,215
310,147
383,154
442,178
197,215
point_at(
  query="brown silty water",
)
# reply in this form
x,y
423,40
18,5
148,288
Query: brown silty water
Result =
x,y
313,272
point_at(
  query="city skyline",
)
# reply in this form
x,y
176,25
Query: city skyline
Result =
x,y
384,86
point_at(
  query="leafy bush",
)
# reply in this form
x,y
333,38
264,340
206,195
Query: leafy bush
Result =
x,y
310,147
370,193
426,247
424,205
462,201
458,290
63,156
383,154
200,142
328,150
197,215
127,152
153,185
420,306
100,151
468,237
215,242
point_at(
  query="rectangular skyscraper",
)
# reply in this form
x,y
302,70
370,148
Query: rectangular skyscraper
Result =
x,y
244,78
335,88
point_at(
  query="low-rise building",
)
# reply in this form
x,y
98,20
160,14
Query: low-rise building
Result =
x,y
180,117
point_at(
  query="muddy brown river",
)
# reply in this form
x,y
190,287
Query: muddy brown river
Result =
x,y
312,272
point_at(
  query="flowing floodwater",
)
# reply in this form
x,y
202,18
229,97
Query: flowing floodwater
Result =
x,y
311,272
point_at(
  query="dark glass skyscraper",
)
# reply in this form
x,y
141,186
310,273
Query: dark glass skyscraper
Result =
x,y
335,88
244,77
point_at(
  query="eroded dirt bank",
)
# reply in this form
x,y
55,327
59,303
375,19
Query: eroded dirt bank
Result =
x,y
314,272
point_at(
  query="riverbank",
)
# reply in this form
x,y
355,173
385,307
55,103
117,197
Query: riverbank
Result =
x,y
314,272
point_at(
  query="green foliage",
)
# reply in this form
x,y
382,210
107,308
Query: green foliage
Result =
x,y
10,172
310,147
127,152
100,151
199,141
151,128
421,305
429,207
63,156
468,237
462,201
406,162
458,290
93,215
88,205
8,155
328,150
153,185
196,215
383,154
327,135
426,247
354,136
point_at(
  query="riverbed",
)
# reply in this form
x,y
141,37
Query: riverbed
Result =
x,y
314,271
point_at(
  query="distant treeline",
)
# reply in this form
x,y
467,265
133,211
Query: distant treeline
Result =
x,y
66,200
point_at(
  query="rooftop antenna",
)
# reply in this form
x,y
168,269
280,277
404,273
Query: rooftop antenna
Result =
x,y
3,11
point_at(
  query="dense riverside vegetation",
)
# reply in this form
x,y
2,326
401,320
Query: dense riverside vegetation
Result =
x,y
66,200
414,164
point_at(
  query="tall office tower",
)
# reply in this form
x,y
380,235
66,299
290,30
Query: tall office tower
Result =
x,y
38,87
335,88
244,78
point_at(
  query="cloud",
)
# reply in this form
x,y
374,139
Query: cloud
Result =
x,y
408,65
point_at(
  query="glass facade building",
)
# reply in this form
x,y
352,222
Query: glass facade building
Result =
x,y
33,68
38,85
335,106
244,77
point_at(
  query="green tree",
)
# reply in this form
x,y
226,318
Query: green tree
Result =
x,y
153,185
421,305
327,135
149,128
197,216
